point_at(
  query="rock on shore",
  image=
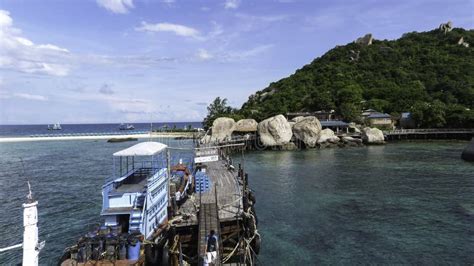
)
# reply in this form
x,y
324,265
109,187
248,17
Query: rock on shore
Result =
x,y
327,135
297,119
373,136
275,131
222,129
307,130
246,125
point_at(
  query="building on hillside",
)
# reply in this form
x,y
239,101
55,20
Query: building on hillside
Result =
x,y
406,121
380,120
337,126
368,112
320,115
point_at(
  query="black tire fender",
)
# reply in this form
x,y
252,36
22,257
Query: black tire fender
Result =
x,y
151,255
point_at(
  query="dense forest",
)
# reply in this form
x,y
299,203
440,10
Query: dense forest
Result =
x,y
430,74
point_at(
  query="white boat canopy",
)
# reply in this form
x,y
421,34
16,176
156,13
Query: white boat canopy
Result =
x,y
148,148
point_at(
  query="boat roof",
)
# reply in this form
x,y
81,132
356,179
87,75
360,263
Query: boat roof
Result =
x,y
147,148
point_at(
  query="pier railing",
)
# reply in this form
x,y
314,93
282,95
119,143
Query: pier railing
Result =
x,y
428,130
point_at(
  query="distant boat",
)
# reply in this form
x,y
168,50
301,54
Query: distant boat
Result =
x,y
56,126
126,127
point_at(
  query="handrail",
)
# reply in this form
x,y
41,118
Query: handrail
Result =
x,y
11,247
428,130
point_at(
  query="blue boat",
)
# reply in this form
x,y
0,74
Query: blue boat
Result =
x,y
134,207
135,198
155,213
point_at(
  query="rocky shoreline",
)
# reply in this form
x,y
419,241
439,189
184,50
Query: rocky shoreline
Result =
x,y
277,133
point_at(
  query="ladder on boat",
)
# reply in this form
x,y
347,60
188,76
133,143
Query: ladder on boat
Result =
x,y
209,220
135,220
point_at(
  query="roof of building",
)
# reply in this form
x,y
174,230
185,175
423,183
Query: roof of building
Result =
x,y
148,148
333,123
406,115
379,115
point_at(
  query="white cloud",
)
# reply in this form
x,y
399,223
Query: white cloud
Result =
x,y
238,55
53,47
261,18
21,54
116,6
177,29
202,54
32,97
231,4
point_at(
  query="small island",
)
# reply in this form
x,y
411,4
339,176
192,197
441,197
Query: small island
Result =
x,y
423,82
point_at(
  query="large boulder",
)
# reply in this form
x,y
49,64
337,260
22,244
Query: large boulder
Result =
x,y
246,125
275,131
290,146
327,135
373,136
366,40
296,119
348,139
307,130
446,27
468,153
222,129
463,42
206,139
353,127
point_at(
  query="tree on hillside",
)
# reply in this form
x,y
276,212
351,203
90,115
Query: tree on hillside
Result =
x,y
427,72
349,99
429,115
219,108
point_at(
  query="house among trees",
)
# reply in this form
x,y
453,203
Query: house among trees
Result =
x,y
320,115
379,120
337,126
406,121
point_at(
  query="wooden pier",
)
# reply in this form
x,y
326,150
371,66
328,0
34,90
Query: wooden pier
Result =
x,y
435,133
208,220
220,203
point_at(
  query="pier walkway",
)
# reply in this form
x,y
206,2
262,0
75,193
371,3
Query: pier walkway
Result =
x,y
208,220
430,133
225,189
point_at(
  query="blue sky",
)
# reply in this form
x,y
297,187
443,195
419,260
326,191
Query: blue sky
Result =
x,y
75,61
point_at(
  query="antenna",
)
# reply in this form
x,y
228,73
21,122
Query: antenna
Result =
x,y
30,194
151,124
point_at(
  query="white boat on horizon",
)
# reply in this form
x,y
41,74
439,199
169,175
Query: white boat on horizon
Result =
x,y
56,126
126,127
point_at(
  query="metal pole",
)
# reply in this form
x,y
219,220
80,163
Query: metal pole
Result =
x,y
168,170
11,247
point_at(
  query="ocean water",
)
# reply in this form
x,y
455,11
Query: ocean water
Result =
x,y
26,130
402,203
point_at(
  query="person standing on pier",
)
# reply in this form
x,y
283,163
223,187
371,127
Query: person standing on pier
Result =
x,y
211,249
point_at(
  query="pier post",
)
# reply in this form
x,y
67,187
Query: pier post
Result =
x,y
30,234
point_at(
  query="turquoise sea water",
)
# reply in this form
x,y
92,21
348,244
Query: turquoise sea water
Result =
x,y
402,203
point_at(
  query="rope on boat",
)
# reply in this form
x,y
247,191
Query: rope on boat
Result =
x,y
248,248
174,247
231,253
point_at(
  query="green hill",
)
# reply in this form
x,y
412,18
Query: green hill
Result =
x,y
427,73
